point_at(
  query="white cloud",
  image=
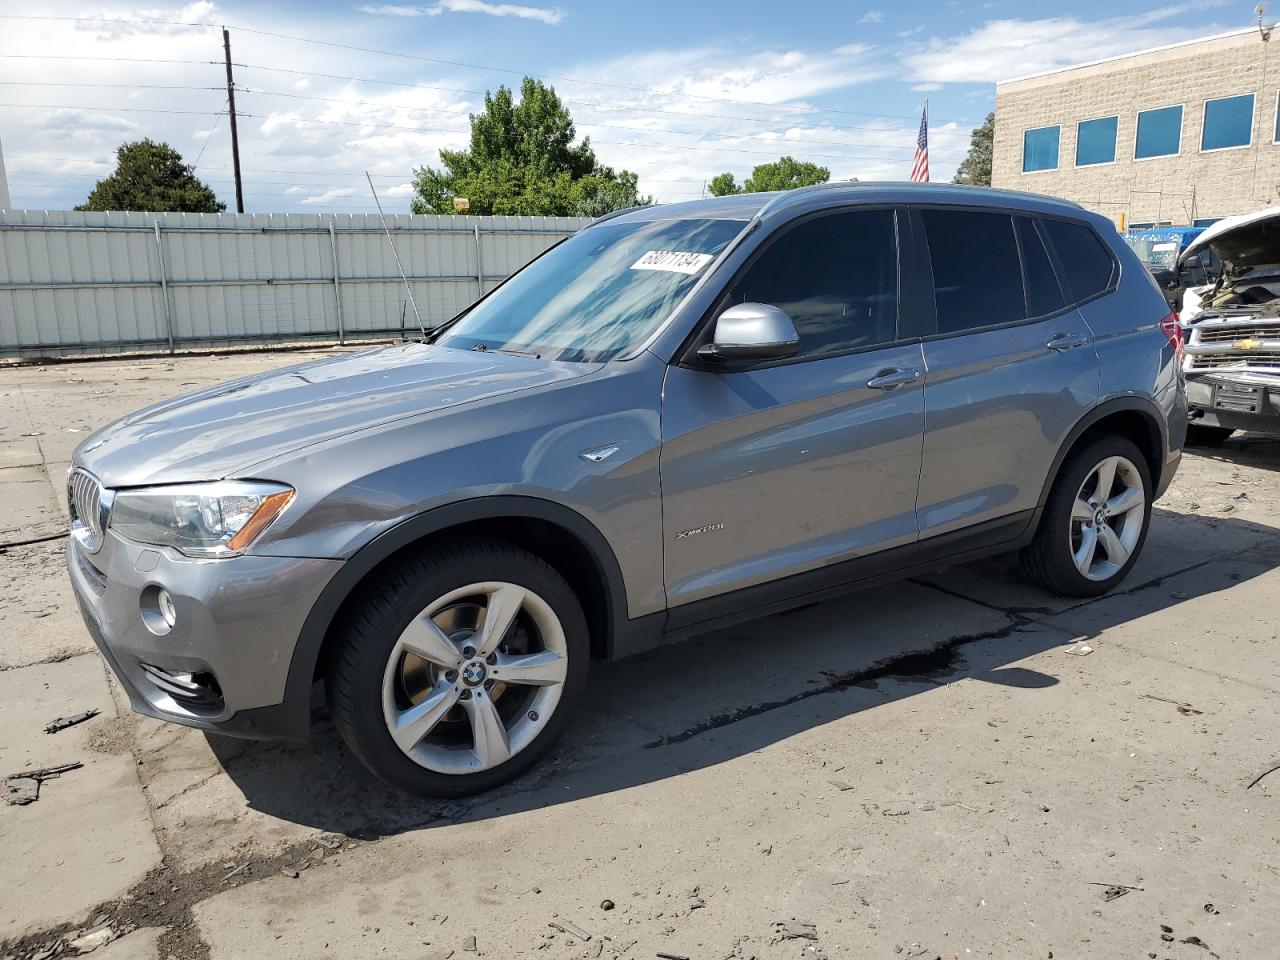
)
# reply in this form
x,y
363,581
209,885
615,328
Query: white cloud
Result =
x,y
872,16
142,21
1001,49
547,15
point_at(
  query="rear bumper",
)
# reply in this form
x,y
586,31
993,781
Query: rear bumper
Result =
x,y
237,622
1237,403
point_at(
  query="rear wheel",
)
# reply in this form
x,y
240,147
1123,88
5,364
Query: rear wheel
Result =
x,y
1199,435
461,669
1095,520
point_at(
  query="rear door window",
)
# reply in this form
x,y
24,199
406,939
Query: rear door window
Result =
x,y
1087,264
977,274
1044,295
836,276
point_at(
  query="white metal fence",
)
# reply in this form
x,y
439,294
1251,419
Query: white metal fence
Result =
x,y
84,283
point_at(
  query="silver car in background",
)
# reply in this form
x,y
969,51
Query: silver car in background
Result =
x,y
680,417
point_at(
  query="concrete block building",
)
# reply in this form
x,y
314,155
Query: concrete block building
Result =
x,y
1182,134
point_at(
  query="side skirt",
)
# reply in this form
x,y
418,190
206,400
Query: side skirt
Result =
x,y
751,603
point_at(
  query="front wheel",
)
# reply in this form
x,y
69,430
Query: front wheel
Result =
x,y
460,669
1095,520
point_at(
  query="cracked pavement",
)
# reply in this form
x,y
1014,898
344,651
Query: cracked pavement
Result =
x,y
927,769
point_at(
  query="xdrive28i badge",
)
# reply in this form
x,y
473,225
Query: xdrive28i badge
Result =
x,y
709,528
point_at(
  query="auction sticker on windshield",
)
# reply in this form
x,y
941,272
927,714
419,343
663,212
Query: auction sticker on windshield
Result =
x,y
672,261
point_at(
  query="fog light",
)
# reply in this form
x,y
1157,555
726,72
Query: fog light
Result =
x,y
158,611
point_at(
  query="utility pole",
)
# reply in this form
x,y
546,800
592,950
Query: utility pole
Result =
x,y
231,107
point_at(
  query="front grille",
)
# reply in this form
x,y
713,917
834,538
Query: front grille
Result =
x,y
1243,360
1230,332
84,497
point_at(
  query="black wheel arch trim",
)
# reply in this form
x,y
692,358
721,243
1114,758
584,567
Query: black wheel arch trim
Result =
x,y
315,628
1130,403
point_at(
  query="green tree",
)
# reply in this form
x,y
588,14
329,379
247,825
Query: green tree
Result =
x,y
723,184
785,173
151,176
975,169
522,161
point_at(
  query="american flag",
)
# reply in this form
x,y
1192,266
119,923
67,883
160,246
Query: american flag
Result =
x,y
920,168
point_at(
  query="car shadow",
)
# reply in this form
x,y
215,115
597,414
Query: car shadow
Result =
x,y
1245,449
726,694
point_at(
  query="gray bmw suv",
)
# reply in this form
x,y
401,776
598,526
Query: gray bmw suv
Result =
x,y
681,416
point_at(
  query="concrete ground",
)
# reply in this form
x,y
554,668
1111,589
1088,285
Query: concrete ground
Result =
x,y
952,767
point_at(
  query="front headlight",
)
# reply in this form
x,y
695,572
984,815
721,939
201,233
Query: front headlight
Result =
x,y
217,519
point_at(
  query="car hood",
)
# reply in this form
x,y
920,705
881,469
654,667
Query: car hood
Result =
x,y
1249,240
220,431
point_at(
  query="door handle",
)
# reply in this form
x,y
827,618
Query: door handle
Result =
x,y
893,378
1066,341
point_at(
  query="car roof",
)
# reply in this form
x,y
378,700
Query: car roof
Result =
x,y
745,206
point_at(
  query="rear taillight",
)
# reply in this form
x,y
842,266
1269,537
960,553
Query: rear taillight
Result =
x,y
1172,328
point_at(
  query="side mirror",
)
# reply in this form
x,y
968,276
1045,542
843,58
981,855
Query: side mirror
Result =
x,y
752,331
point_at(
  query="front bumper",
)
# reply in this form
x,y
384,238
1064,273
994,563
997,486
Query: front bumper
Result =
x,y
237,621
1237,403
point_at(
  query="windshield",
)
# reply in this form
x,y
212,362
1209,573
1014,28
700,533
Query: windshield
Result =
x,y
596,295
1155,252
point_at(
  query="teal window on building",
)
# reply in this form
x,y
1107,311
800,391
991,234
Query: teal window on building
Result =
x,y
1040,149
1159,133
1228,122
1096,141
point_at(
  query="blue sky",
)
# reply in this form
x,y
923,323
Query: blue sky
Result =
x,y
677,91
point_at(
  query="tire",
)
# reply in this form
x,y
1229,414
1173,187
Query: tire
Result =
x,y
1053,559
1204,436
416,659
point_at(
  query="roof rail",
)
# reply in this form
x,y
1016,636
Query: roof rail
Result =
x,y
788,195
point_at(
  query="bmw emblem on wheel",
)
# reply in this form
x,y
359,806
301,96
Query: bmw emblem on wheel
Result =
x,y
473,673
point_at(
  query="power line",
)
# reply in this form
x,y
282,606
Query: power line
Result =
x,y
584,123
95,86
51,56
115,109
70,106
526,73
590,104
169,23
807,109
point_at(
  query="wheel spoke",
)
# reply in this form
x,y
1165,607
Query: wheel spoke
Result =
x,y
1106,479
540,669
1117,553
1088,545
1125,501
1081,510
499,613
415,723
489,734
424,639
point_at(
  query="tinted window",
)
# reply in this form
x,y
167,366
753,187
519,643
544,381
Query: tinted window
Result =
x,y
835,276
1085,261
977,279
1096,141
1159,132
1228,122
1044,296
1040,149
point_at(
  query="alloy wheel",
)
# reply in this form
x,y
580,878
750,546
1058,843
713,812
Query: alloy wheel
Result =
x,y
1107,518
474,677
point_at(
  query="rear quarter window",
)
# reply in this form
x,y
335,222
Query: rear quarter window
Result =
x,y
1087,264
977,276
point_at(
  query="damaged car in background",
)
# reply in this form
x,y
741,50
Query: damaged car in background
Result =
x,y
1232,330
